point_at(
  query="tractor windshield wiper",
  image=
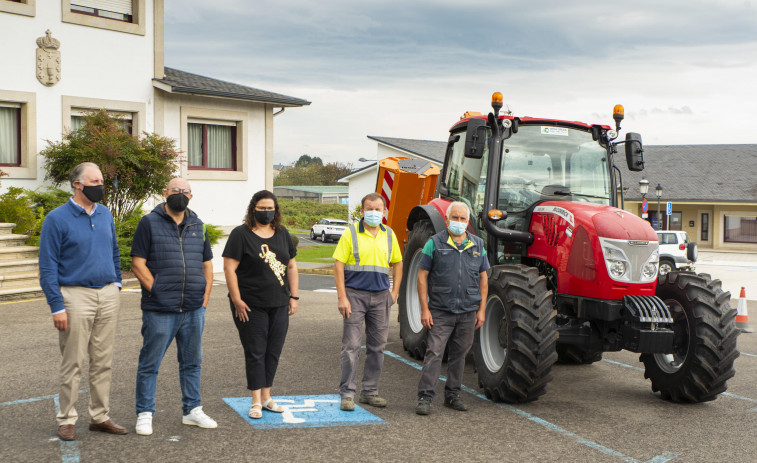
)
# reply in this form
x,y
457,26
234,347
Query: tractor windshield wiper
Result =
x,y
568,193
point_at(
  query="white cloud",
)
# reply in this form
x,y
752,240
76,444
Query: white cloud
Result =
x,y
683,69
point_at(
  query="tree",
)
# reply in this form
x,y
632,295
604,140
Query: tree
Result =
x,y
133,168
307,160
313,174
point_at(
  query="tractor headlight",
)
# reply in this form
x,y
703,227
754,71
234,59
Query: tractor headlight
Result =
x,y
618,269
649,270
616,261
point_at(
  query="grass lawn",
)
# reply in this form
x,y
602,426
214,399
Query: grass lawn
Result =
x,y
320,254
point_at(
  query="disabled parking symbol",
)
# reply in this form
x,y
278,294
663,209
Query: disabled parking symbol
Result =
x,y
308,411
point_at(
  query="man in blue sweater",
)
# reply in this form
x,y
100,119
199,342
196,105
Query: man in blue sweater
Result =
x,y
80,273
171,257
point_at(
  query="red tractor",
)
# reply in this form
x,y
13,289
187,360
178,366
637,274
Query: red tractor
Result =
x,y
572,276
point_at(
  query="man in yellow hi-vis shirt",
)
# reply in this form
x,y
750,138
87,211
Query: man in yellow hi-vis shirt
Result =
x,y
363,257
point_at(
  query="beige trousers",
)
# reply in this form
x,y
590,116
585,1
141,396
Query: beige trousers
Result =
x,y
92,317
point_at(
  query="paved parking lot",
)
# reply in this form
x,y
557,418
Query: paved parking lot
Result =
x,y
600,412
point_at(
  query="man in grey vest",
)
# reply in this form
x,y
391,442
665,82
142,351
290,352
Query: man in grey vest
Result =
x,y
452,288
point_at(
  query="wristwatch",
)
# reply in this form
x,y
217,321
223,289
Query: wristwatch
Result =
x,y
296,298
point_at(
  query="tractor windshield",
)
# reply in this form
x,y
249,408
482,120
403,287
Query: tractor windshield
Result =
x,y
547,160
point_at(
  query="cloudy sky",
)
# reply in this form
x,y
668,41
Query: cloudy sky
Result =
x,y
685,70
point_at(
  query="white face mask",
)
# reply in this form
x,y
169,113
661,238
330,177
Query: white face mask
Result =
x,y
457,228
373,218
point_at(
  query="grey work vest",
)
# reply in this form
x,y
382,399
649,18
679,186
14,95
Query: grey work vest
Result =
x,y
454,275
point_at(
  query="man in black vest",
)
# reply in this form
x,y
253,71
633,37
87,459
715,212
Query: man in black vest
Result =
x,y
452,288
171,258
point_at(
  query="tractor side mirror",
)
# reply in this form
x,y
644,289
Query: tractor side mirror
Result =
x,y
634,152
475,138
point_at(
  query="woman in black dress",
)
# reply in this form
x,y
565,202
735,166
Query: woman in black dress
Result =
x,y
261,274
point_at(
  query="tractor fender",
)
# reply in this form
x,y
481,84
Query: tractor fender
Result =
x,y
426,212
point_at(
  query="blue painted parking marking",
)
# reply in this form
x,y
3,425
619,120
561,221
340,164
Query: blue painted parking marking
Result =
x,y
304,411
69,450
662,458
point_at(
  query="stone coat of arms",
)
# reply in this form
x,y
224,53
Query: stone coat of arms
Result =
x,y
48,60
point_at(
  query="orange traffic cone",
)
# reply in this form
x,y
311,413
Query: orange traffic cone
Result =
x,y
742,318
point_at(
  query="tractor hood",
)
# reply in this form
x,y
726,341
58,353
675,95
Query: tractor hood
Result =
x,y
568,235
603,221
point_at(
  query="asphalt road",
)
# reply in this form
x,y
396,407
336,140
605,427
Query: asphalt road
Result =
x,y
594,413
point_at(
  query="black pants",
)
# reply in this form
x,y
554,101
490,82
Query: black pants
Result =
x,y
262,338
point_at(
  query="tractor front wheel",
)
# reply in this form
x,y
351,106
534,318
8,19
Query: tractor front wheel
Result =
x,y
413,333
514,350
705,340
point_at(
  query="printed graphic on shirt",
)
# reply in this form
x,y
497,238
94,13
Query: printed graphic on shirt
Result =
x,y
277,267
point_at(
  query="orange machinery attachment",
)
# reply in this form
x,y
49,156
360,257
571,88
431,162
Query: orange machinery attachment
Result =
x,y
404,183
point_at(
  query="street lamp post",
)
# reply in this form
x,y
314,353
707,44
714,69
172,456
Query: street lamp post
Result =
x,y
644,188
658,192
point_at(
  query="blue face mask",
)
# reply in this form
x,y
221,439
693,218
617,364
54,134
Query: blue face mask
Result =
x,y
457,228
373,218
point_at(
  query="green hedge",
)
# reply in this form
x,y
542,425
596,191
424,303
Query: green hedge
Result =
x,y
303,214
28,208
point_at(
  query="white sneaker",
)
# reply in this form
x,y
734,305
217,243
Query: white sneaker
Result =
x,y
197,417
144,423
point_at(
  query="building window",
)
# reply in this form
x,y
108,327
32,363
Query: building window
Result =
x,y
124,119
705,236
740,229
10,134
119,10
212,146
23,7
115,15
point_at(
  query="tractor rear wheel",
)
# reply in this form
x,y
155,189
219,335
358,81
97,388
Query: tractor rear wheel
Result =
x,y
514,350
705,340
413,333
573,355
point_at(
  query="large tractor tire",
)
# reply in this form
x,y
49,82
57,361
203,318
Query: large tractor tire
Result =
x,y
412,331
514,350
705,330
574,355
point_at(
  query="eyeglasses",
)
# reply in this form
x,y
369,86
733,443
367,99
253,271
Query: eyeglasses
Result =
x,y
186,191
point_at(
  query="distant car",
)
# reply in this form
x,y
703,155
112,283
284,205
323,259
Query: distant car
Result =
x,y
328,229
677,252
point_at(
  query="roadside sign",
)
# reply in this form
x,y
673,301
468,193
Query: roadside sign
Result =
x,y
669,210
644,206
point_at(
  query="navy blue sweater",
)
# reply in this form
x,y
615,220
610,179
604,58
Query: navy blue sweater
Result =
x,y
77,249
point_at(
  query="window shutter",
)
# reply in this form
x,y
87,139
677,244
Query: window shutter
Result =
x,y
116,6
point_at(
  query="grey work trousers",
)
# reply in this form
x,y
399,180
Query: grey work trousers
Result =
x,y
371,307
458,331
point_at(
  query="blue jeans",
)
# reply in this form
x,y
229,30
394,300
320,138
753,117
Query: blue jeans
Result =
x,y
158,331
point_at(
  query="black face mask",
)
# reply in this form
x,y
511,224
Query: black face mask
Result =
x,y
94,193
264,217
177,202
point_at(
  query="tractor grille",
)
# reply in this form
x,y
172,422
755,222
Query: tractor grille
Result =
x,y
648,309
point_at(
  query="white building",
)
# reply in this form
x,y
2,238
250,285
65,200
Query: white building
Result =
x,y
363,181
108,54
